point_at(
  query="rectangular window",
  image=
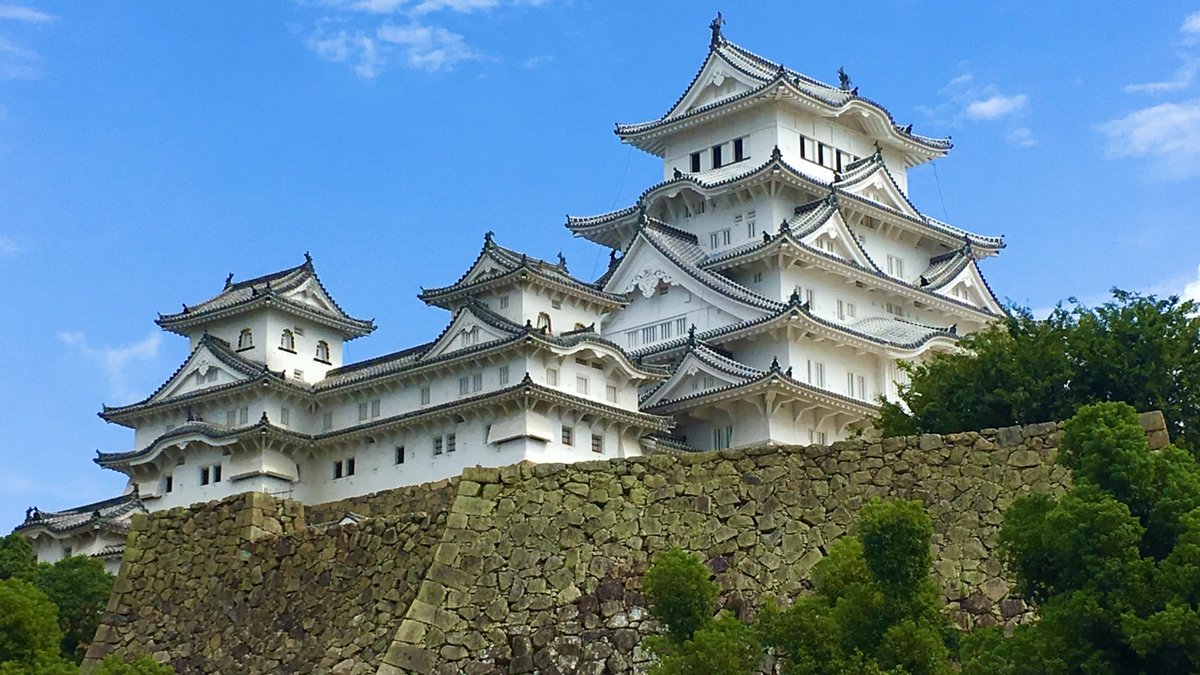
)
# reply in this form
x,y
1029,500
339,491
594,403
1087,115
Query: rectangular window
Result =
x,y
716,157
695,162
631,338
846,310
168,483
285,416
816,373
424,395
337,469
722,437
649,334
552,377
610,393
375,408
68,551
399,454
477,382
892,308
713,240
556,304
817,437
828,157
297,374
758,277
751,226
437,445
665,329
895,266
503,375
327,421
350,467
216,473
726,236
451,442
568,435
464,386
581,385
230,418
204,475
243,414
211,375
808,149
364,411
681,325
739,149
598,443
960,292
504,302
861,381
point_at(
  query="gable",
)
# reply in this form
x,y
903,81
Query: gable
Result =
x,y
968,286
881,189
692,376
465,330
312,295
717,81
835,238
486,266
203,370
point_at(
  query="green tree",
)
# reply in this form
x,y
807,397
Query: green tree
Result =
x,y
1113,566
80,587
17,558
144,665
29,634
1138,349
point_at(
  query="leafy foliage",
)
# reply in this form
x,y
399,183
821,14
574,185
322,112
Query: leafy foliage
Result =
x,y
29,634
144,665
17,558
80,587
680,594
1138,349
1113,565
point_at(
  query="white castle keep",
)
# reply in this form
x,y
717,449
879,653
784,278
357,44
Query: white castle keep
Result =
x,y
762,294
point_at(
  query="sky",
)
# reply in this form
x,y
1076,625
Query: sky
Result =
x,y
148,149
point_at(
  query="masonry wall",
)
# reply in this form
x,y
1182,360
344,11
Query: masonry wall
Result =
x,y
537,568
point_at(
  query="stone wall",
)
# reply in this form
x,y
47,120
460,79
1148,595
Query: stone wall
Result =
x,y
537,568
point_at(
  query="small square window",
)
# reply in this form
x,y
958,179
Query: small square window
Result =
x,y
568,435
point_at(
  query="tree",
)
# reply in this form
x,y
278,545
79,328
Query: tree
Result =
x,y
17,558
29,634
1113,566
80,587
1141,350
144,665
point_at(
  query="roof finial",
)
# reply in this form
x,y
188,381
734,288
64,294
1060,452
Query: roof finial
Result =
x,y
715,27
307,258
774,364
229,280
612,258
185,308
843,80
788,372
562,261
785,227
692,335
678,173
795,297
953,329
776,154
487,236
832,198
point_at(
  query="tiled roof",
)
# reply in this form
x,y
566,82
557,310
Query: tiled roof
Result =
x,y
268,287
770,74
513,263
945,267
109,514
770,377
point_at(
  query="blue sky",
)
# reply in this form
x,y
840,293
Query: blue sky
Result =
x,y
147,149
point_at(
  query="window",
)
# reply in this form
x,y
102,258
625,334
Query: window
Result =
x,y
960,292
892,308
681,325
285,416
327,421
720,238
230,418
477,382
895,266
739,149
437,445
297,374
846,310
695,162
568,435
245,339
451,442
209,376
844,159
425,395
817,437
504,302
68,551
581,385
649,334
808,149
758,277
722,437
210,474
556,304
856,386
287,341
716,157
816,373
243,415
464,386
168,483
552,377
808,296
204,475
399,454
503,375
610,392
470,336
543,321
828,156
598,443
364,411
825,244
298,330
751,225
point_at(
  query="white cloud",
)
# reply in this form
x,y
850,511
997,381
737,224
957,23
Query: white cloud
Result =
x,y
428,48
1168,132
26,14
1182,79
536,61
8,247
115,362
415,46
1192,290
1191,28
996,106
461,6
1021,137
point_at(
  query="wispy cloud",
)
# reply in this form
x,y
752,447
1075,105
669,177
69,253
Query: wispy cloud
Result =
x,y
8,247
1021,137
366,34
966,100
23,14
1191,291
115,362
995,107
1182,79
1168,132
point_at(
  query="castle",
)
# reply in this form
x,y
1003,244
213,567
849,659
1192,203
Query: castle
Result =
x,y
762,294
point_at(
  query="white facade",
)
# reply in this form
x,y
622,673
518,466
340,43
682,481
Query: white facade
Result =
x,y
763,293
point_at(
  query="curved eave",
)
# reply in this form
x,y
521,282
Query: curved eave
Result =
x,y
650,136
93,524
124,415
448,296
180,323
211,433
771,380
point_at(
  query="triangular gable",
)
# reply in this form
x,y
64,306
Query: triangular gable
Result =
x,y
879,187
644,269
970,287
488,265
693,375
835,238
466,330
312,295
716,81
203,369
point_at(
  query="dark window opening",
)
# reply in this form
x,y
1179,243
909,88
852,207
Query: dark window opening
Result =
x,y
695,162
716,155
